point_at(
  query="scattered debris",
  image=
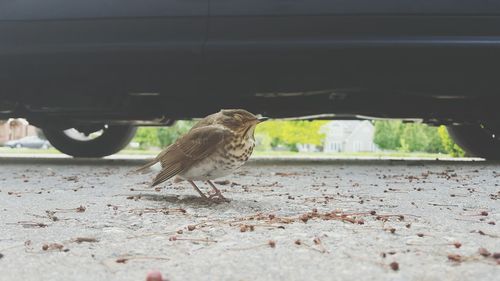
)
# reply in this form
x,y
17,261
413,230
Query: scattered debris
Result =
x,y
52,215
483,252
484,233
282,174
206,240
223,182
30,224
245,228
455,257
165,211
394,266
53,247
272,243
71,178
80,240
125,259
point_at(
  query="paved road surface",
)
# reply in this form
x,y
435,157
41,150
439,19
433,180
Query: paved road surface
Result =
x,y
63,219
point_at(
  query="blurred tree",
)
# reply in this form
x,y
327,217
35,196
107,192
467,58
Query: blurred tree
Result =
x,y
146,137
167,135
417,137
291,133
161,136
414,137
449,145
388,134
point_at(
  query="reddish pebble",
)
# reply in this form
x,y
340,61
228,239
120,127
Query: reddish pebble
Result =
x,y
483,252
154,276
394,266
272,243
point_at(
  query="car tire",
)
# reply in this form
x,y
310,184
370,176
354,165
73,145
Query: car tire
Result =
x,y
112,140
477,140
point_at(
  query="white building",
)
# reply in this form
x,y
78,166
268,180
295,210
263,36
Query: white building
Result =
x,y
349,136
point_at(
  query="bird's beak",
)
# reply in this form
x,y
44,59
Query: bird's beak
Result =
x,y
262,119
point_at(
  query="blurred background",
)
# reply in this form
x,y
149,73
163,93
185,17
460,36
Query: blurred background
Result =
x,y
356,138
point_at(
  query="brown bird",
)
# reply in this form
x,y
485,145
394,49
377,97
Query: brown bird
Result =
x,y
215,147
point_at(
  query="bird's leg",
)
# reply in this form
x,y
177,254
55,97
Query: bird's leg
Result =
x,y
198,190
217,193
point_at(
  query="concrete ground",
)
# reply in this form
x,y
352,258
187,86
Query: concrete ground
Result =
x,y
66,219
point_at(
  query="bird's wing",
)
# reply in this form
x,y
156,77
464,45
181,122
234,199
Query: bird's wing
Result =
x,y
194,146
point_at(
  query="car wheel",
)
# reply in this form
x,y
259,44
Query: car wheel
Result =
x,y
478,140
102,142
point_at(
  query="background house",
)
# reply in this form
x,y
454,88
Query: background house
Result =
x,y
14,129
349,136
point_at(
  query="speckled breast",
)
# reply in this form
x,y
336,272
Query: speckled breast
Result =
x,y
222,163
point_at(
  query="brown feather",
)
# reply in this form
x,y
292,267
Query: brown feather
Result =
x,y
166,174
194,146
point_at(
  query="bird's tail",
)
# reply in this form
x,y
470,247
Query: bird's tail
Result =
x,y
147,166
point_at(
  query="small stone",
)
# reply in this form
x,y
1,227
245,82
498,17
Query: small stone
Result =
x,y
272,243
394,266
455,257
483,252
243,228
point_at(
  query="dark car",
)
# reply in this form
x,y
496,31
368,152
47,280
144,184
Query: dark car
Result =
x,y
110,65
28,142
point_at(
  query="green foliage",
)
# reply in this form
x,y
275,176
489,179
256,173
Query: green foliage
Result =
x,y
146,137
388,134
167,135
163,136
420,138
414,137
450,146
291,133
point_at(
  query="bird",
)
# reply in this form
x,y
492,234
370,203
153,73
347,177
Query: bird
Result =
x,y
214,147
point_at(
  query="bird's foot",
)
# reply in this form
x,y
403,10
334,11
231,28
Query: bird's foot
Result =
x,y
218,197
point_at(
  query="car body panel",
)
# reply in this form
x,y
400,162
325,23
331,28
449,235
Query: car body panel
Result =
x,y
95,47
129,60
354,46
